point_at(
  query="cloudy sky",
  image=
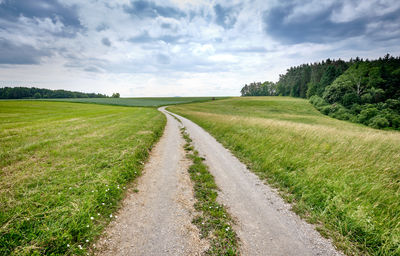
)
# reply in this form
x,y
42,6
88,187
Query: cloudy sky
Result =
x,y
183,47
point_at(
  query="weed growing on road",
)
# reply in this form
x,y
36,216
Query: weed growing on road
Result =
x,y
214,221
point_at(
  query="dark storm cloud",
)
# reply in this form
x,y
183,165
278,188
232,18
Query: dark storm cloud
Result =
x,y
92,69
312,28
146,38
166,25
318,27
102,27
389,27
11,10
145,9
163,59
225,16
105,41
172,28
19,54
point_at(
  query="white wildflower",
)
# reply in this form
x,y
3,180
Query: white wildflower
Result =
x,y
91,218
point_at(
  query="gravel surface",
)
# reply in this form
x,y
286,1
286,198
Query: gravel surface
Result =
x,y
265,223
157,219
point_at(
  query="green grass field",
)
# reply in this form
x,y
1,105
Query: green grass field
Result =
x,y
342,176
64,168
139,102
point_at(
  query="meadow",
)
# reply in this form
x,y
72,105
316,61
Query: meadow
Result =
x,y
138,102
343,177
63,169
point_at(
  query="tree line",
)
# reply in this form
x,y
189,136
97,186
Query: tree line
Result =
x,y
38,93
361,91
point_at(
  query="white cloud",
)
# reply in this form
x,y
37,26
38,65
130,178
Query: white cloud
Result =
x,y
308,8
352,10
203,49
186,55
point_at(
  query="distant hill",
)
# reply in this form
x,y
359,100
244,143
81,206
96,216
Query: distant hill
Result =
x,y
361,91
39,93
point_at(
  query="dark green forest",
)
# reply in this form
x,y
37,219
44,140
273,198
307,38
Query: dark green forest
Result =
x,y
361,91
37,93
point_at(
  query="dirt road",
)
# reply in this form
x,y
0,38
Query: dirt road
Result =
x,y
266,226
157,219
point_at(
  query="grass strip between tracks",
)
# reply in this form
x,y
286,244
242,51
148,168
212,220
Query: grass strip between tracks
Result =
x,y
214,222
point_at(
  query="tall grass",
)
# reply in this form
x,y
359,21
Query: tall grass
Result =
x,y
343,177
64,167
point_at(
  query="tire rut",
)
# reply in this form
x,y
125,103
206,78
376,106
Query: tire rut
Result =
x,y
265,223
157,219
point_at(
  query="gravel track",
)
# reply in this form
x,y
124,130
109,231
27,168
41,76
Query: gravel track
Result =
x,y
265,223
157,219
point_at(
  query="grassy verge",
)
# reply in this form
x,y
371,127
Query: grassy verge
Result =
x,y
140,102
64,168
343,177
214,222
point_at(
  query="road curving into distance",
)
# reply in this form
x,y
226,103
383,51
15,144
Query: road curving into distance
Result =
x,y
157,219
265,223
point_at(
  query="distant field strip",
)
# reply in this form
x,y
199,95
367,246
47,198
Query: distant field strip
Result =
x,y
342,176
139,102
64,167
